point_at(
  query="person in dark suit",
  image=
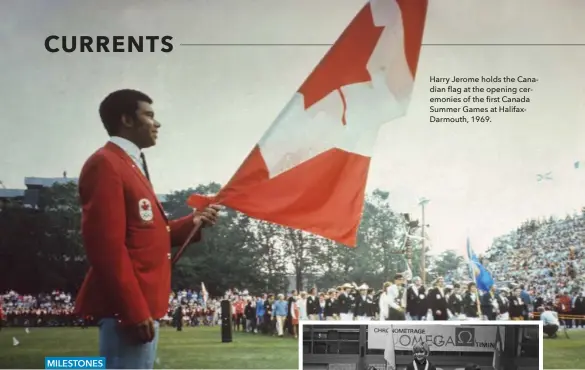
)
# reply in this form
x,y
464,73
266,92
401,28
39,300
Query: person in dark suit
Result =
x,y
517,306
178,317
489,304
270,324
344,302
289,314
579,309
313,305
330,305
363,305
456,301
503,304
471,306
127,236
420,354
416,300
437,301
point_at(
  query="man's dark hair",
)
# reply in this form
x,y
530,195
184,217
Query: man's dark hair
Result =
x,y
471,284
119,103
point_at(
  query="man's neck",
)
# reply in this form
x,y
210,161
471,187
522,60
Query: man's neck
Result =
x,y
125,136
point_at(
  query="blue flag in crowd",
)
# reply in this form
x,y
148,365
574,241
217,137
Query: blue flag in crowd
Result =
x,y
478,272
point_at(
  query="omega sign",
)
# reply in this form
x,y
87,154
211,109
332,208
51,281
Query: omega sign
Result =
x,y
466,337
439,337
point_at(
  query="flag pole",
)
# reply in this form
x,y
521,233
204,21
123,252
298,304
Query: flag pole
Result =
x,y
177,256
423,202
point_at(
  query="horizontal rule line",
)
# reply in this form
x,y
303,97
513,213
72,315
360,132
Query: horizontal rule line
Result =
x,y
437,44
256,44
503,44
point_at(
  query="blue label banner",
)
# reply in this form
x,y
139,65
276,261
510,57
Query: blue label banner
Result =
x,y
75,362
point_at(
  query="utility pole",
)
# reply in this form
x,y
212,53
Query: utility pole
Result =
x,y
423,202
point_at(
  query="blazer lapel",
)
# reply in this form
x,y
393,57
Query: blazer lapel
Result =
x,y
126,158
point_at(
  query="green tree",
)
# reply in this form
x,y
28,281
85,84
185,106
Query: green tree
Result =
x,y
379,253
301,249
41,249
64,247
272,262
447,262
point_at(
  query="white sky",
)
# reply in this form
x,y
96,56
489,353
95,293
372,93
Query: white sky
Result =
x,y
216,102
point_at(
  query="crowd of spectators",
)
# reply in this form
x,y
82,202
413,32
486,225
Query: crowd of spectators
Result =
x,y
547,257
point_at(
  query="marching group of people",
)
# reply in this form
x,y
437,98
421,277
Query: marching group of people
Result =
x,y
399,301
279,315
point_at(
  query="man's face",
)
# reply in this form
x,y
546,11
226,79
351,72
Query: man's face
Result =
x,y
143,125
399,281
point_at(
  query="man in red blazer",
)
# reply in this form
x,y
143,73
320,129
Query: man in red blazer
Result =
x,y
127,236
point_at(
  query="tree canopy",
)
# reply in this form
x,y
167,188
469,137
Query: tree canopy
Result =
x,y
41,249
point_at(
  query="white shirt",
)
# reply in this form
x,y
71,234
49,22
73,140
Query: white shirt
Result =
x,y
393,297
549,318
383,305
131,149
302,303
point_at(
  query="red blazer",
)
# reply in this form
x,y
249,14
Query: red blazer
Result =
x,y
126,238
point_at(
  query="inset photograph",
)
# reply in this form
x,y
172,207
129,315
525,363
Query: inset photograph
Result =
x,y
422,346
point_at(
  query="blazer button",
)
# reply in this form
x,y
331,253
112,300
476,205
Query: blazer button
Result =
x,y
168,228
169,255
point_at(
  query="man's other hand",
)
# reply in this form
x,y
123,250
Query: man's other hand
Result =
x,y
208,216
142,332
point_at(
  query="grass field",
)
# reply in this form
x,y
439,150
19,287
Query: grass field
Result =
x,y
193,348
202,348
563,353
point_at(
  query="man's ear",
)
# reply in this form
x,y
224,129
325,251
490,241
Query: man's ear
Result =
x,y
127,121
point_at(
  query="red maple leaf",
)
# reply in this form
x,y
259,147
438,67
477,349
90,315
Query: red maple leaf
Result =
x,y
145,206
346,61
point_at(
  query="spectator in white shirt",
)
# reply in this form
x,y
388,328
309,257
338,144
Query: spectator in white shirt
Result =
x,y
550,321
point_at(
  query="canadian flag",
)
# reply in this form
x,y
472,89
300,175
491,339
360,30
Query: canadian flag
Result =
x,y
310,168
